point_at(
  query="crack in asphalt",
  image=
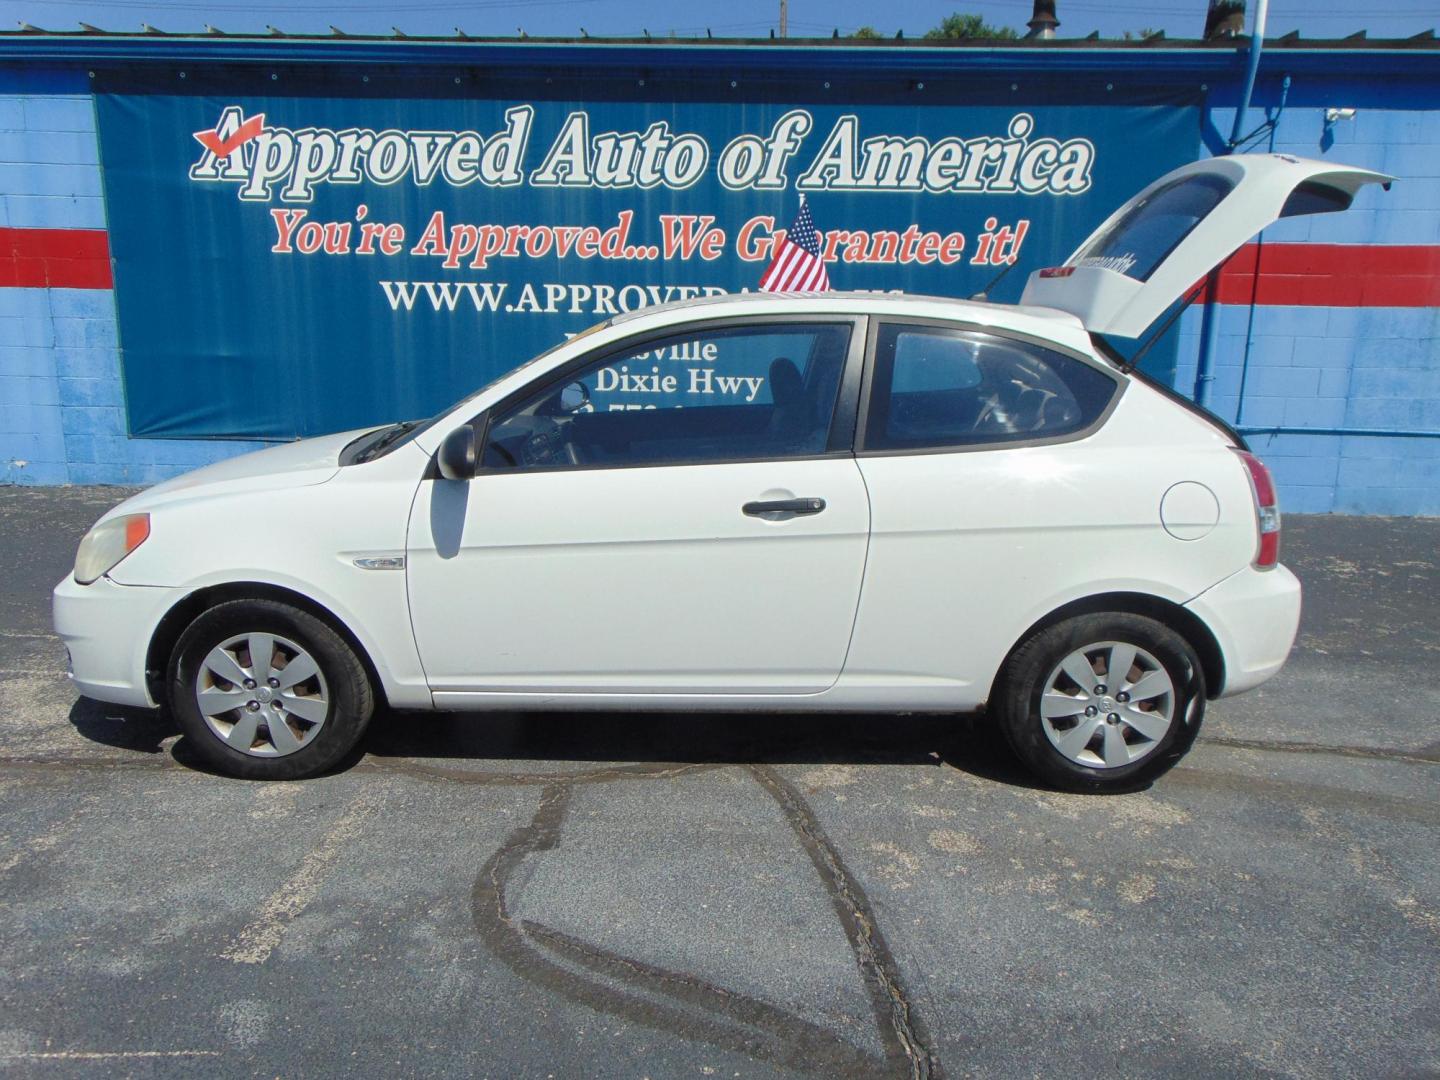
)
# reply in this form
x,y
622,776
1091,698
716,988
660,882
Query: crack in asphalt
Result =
x,y
806,1045
801,1045
530,779
1393,807
895,1014
688,1005
109,764
1430,755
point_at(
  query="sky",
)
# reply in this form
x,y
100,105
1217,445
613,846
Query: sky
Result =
x,y
691,18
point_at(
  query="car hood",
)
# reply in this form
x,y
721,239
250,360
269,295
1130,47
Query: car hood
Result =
x,y
290,465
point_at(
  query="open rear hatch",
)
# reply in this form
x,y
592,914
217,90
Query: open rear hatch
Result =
x,y
1152,250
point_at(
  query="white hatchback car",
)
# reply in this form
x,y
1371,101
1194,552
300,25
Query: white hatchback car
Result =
x,y
862,503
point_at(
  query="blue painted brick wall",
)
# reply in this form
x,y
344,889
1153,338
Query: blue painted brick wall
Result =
x,y
62,400
1355,367
62,397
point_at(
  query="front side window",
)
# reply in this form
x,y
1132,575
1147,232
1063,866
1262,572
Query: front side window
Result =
x,y
936,387
766,390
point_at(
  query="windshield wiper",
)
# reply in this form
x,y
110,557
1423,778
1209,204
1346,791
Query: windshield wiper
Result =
x,y
385,441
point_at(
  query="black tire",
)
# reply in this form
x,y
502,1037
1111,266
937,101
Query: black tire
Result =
x,y
1016,705
351,697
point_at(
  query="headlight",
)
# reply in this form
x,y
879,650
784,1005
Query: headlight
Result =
x,y
107,543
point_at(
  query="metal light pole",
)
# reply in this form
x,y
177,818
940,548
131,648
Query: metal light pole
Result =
x,y
784,18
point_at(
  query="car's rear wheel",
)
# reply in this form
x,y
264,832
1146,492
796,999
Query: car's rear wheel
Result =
x,y
1102,702
265,691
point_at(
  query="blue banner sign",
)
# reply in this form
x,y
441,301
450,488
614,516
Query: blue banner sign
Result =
x,y
287,266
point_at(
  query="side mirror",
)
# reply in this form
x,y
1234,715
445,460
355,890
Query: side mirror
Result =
x,y
574,397
458,454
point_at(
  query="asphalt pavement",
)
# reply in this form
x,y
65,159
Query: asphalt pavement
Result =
x,y
691,896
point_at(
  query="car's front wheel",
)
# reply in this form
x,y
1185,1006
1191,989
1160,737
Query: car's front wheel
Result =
x,y
265,691
1102,702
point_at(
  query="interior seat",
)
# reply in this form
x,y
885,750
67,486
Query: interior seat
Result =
x,y
790,409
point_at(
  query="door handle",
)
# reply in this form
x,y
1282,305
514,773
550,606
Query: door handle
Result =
x,y
783,506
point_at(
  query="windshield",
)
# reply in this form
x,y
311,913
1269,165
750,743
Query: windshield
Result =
x,y
376,444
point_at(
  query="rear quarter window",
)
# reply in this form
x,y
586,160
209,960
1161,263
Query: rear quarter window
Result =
x,y
936,387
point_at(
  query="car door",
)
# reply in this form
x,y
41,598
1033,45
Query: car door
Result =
x,y
678,515
988,499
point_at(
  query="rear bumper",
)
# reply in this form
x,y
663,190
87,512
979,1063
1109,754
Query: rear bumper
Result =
x,y
1254,615
107,629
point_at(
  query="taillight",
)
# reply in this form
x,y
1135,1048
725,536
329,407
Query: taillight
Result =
x,y
1267,510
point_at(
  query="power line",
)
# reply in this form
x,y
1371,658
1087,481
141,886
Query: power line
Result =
x,y
279,10
1139,11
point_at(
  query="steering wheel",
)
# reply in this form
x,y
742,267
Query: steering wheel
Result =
x,y
569,454
538,441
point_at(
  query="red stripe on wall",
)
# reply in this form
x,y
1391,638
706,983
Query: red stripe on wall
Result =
x,y
1333,275
1304,275
55,259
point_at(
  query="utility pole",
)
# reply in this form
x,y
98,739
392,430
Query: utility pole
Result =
x,y
784,18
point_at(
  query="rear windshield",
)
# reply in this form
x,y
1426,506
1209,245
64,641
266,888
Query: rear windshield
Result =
x,y
1152,228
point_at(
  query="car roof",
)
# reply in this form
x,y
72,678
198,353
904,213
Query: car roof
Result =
x,y
1041,322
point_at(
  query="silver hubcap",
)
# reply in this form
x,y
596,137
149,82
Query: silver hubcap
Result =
x,y
1107,705
262,695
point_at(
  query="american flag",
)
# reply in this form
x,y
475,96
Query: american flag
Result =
x,y
797,266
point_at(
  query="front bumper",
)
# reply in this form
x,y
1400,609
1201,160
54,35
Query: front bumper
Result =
x,y
1254,615
107,630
